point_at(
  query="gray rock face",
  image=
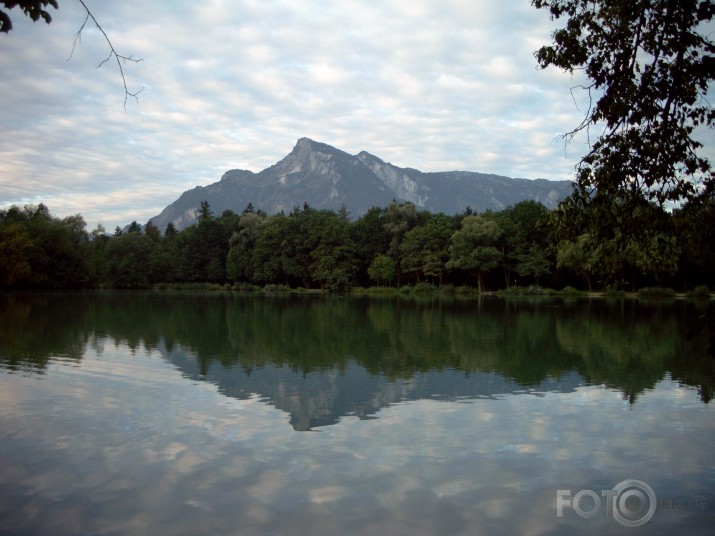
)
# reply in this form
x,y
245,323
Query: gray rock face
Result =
x,y
328,178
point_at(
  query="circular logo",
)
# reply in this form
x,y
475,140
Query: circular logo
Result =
x,y
634,503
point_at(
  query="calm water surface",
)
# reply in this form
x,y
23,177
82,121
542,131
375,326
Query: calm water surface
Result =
x,y
217,414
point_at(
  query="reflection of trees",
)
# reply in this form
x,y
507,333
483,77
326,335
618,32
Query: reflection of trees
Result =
x,y
630,352
514,339
518,344
35,330
695,364
625,346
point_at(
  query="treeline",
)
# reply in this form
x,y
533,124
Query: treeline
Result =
x,y
397,245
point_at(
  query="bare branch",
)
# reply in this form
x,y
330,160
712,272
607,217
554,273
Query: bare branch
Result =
x,y
588,119
78,37
120,59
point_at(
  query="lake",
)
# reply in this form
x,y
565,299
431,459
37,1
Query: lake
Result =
x,y
183,413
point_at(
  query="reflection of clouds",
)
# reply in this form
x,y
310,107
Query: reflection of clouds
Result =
x,y
126,444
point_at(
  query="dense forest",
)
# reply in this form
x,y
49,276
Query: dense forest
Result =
x,y
394,246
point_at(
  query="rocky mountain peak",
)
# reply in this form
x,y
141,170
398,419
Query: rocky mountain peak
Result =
x,y
327,178
305,146
312,161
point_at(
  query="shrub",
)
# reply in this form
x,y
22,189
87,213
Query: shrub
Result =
x,y
380,290
612,292
424,288
192,286
245,287
271,287
571,291
656,293
448,290
466,290
701,292
531,290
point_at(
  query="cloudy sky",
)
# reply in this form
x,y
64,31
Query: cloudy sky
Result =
x,y
233,84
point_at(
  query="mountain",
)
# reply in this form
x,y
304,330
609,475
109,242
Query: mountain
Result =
x,y
327,178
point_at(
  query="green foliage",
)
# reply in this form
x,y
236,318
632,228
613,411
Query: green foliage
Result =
x,y
241,246
204,249
448,290
317,249
16,252
382,270
399,219
370,239
701,292
656,254
381,290
531,290
267,257
424,289
579,256
598,240
534,262
332,267
473,247
245,287
611,292
523,242
204,212
170,231
272,288
464,290
129,261
649,63
695,226
152,231
425,248
656,293
194,287
570,291
40,251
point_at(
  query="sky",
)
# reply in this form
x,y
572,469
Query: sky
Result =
x,y
436,86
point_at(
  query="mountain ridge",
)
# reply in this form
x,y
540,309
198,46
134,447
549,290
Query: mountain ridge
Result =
x,y
325,177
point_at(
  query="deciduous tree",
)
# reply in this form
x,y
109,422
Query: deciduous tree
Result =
x,y
382,270
578,256
649,64
474,247
425,248
399,218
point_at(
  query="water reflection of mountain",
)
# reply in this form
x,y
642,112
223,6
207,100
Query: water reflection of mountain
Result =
x,y
322,397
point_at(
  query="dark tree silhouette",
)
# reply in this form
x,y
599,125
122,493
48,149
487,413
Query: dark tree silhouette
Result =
x,y
32,8
649,63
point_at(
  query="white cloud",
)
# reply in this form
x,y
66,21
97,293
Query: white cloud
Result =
x,y
435,86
